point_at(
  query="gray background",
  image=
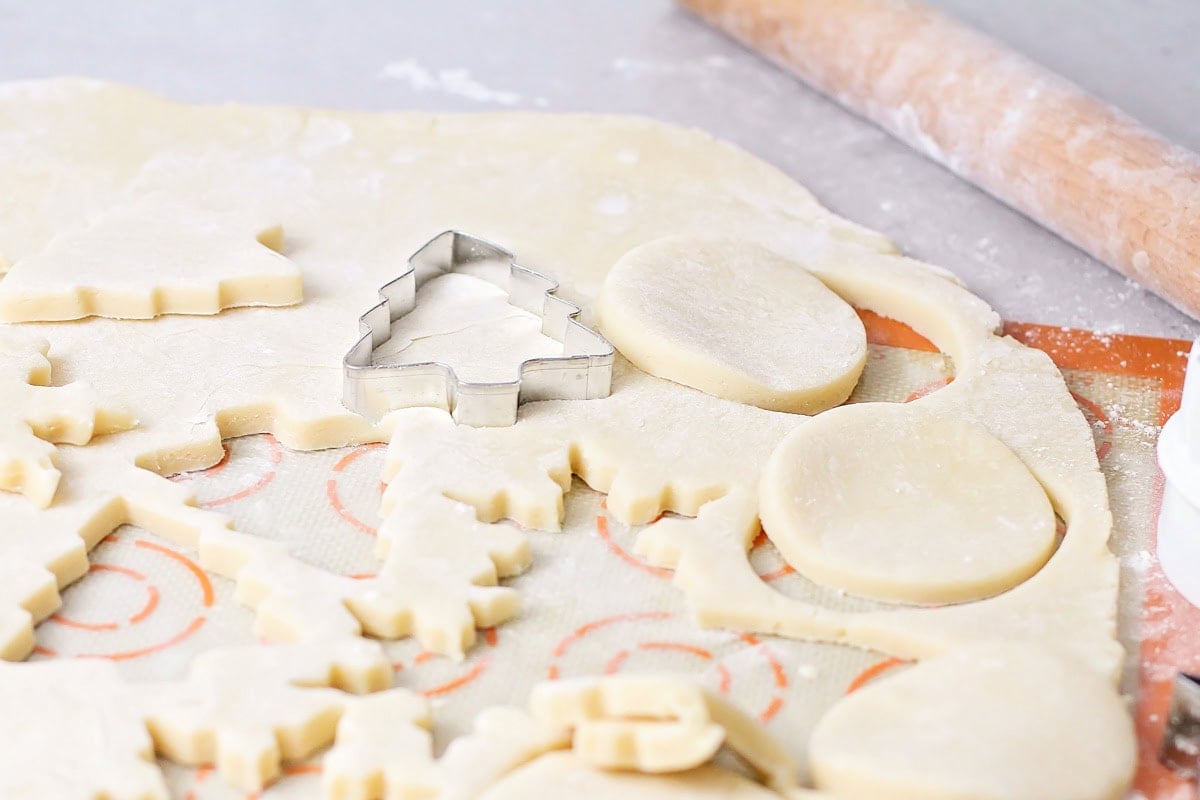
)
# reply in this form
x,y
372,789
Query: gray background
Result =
x,y
648,57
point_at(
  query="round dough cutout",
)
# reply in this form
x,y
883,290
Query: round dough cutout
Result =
x,y
999,721
736,321
891,502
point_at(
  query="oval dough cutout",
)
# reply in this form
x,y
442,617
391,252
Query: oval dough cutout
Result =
x,y
735,321
892,502
565,775
1003,721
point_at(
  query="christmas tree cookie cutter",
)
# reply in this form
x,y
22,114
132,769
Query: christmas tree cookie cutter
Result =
x,y
582,372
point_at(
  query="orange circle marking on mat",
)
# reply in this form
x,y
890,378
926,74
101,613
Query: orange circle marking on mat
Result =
x,y
152,601
929,388
777,670
192,567
565,643
462,680
68,622
614,663
1095,416
679,647
621,552
490,637
331,488
196,624
787,569
870,673
148,609
726,678
264,480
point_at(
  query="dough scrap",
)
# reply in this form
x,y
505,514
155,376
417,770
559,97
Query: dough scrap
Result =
x,y
734,320
68,732
384,750
248,709
74,728
565,774
180,236
199,263
897,503
38,415
1000,721
522,472
501,740
657,723
439,586
382,743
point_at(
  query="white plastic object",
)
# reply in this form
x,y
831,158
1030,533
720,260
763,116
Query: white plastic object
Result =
x,y
1179,458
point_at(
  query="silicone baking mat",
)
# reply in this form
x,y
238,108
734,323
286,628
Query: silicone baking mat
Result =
x,y
590,606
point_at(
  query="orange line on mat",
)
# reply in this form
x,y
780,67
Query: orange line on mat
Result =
x,y
726,678
148,609
217,467
771,710
354,455
679,647
126,571
67,622
615,662
929,388
462,680
762,540
335,500
192,627
191,566
1101,417
872,672
622,553
775,575
781,679
583,630
257,486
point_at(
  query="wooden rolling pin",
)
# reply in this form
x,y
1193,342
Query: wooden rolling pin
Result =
x,y
1033,139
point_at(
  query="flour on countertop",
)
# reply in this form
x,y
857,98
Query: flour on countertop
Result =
x,y
455,81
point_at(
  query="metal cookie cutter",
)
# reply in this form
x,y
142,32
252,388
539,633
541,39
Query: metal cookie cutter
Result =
x,y
1181,740
582,372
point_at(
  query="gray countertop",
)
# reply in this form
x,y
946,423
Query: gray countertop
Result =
x,y
648,57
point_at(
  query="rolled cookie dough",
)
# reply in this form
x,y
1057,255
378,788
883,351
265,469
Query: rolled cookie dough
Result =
x,y
191,380
894,502
77,156
1002,721
734,320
